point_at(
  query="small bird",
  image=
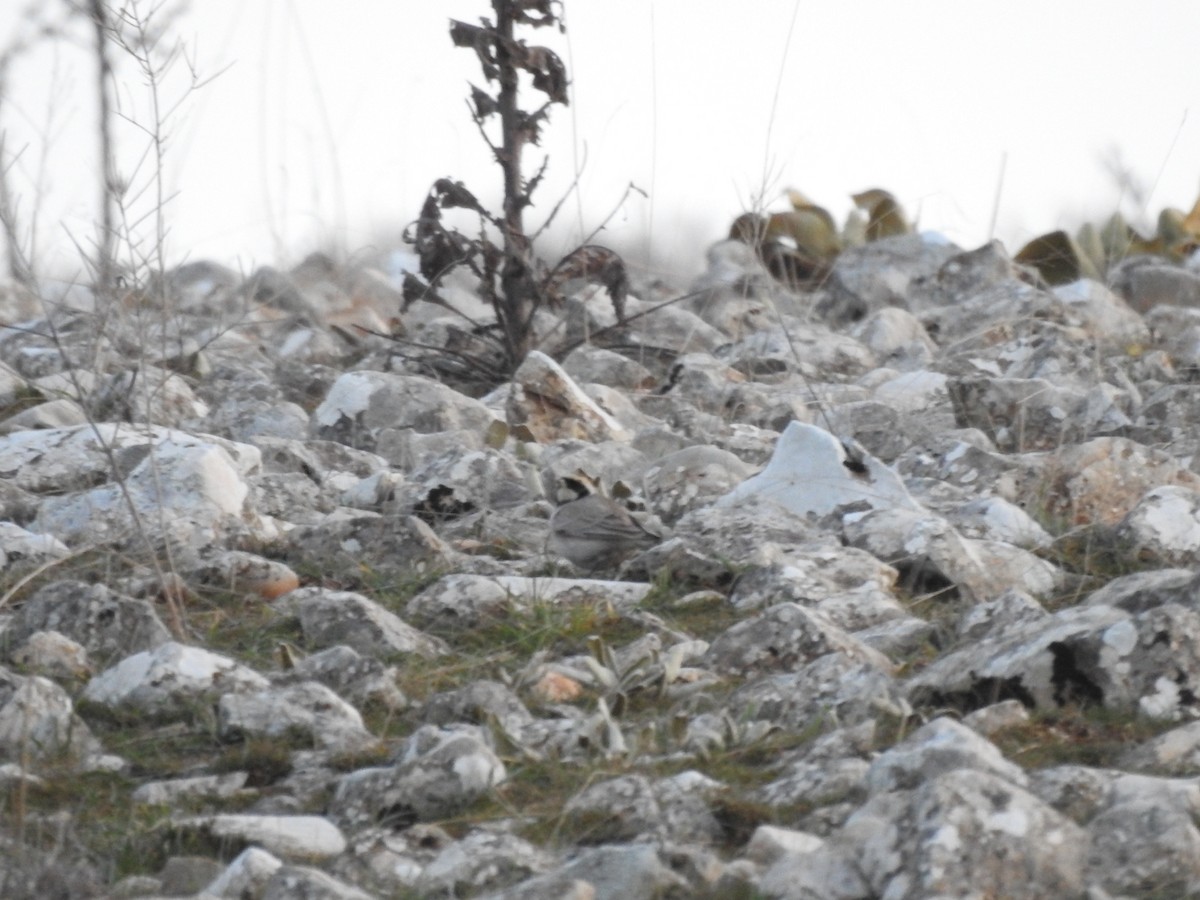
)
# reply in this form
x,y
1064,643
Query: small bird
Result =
x,y
591,530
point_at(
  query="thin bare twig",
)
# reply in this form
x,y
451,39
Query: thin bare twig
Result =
x,y
572,188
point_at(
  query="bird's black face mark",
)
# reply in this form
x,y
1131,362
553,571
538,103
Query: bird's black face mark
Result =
x,y
576,486
855,465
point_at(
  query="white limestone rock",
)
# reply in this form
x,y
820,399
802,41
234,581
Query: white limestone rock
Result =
x,y
471,599
305,709
246,876
169,680
38,723
810,473
183,489
1164,526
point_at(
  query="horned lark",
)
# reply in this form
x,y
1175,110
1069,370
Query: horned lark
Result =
x,y
592,531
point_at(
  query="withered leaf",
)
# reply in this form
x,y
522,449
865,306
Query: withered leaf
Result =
x,y
886,216
549,73
749,228
1191,222
413,289
438,249
797,247
792,267
811,231
536,12
528,125
1057,258
592,262
482,41
452,195
485,103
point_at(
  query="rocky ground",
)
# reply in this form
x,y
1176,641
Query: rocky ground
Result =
x,y
279,618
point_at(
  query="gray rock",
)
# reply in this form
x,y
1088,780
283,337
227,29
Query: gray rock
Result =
x,y
812,473
170,681
966,273
247,875
998,615
627,871
691,478
456,483
1092,654
1019,414
477,704
38,723
881,274
210,787
896,338
482,860
1164,526
289,837
784,638
833,767
636,807
60,413
833,688
343,547
148,394
439,773
304,883
807,348
848,585
182,875
587,363
1175,752
1104,316
329,618
996,519
362,405
967,833
54,655
362,680
389,861
1141,847
306,710
106,624
1145,283
995,718
944,745
472,599
1140,591
547,402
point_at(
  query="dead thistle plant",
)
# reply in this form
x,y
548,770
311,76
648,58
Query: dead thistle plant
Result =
x,y
513,281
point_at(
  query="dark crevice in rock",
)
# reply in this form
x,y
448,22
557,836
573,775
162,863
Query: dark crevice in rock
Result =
x,y
440,504
1071,683
984,692
398,817
919,577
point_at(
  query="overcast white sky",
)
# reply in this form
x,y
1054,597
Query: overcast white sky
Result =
x,y
328,122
